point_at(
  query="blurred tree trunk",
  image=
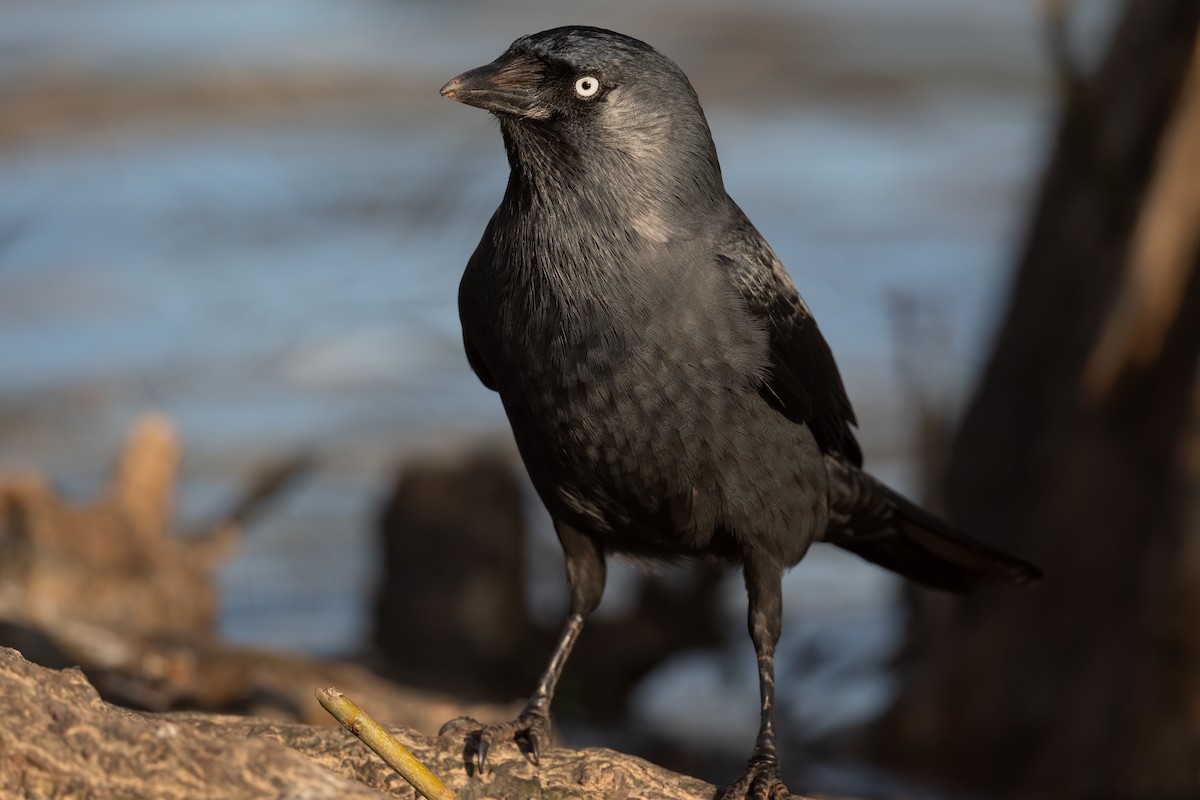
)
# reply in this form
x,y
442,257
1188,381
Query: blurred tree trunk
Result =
x,y
1081,450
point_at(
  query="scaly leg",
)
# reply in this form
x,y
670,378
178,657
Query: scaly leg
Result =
x,y
762,780
585,576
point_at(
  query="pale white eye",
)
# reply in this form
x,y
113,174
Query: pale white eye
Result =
x,y
587,86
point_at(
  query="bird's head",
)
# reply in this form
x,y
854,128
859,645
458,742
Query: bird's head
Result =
x,y
579,105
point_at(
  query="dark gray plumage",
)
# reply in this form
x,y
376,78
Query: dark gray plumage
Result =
x,y
669,391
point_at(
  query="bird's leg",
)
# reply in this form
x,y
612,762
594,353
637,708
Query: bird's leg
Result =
x,y
585,576
762,780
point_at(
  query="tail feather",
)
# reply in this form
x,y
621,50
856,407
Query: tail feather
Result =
x,y
876,523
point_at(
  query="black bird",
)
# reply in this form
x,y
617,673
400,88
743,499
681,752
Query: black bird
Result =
x,y
668,388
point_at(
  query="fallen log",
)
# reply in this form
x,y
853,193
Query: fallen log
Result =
x,y
59,739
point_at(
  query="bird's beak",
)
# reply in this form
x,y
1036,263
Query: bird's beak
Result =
x,y
507,86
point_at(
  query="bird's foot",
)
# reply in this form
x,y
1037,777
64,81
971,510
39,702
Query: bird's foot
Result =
x,y
531,728
760,781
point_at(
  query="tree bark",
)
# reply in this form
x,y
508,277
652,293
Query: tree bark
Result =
x,y
1080,450
58,739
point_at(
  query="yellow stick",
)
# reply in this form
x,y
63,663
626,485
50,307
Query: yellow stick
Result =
x,y
372,734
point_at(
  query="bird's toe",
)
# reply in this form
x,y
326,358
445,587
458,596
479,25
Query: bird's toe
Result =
x,y
760,781
459,725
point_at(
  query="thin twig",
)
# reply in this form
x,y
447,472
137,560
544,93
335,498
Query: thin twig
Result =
x,y
372,734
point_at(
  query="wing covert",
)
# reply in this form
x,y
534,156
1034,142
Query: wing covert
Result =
x,y
804,383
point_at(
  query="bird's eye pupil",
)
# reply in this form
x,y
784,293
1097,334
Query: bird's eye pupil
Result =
x,y
587,86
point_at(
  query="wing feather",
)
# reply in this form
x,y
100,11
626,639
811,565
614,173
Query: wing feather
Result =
x,y
803,383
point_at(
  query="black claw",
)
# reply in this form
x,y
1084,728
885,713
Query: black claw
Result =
x,y
537,734
481,754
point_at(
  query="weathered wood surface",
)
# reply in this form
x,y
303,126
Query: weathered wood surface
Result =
x,y
58,739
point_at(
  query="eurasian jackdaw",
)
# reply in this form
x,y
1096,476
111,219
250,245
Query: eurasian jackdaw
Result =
x,y
668,388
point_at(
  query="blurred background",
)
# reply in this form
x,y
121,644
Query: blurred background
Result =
x,y
251,218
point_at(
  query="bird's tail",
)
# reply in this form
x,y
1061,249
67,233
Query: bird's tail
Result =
x,y
876,523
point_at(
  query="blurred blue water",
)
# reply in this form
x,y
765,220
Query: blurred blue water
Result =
x,y
283,276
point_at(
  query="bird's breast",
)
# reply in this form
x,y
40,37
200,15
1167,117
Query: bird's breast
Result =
x,y
626,395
